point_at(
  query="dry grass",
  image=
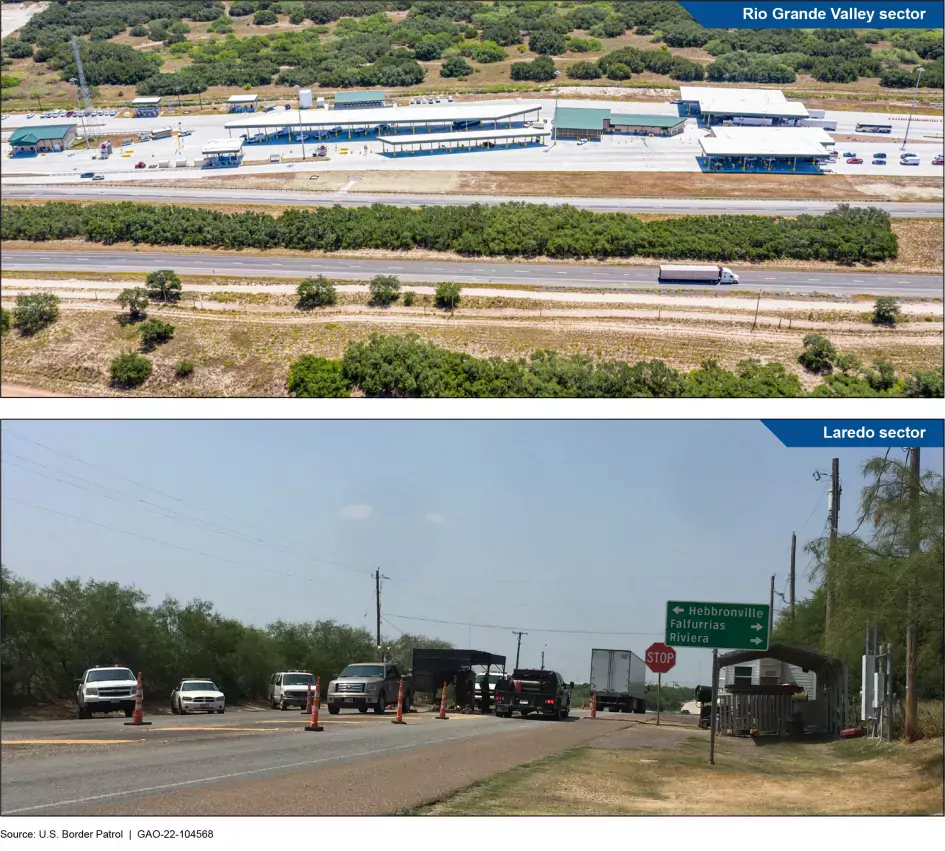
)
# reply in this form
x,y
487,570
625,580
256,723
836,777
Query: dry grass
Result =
x,y
842,778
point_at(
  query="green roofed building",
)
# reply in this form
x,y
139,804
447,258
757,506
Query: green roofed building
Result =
x,y
359,100
35,140
646,125
575,122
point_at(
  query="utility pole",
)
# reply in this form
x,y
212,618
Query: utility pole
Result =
x,y
793,553
377,592
543,660
771,609
518,649
831,555
911,637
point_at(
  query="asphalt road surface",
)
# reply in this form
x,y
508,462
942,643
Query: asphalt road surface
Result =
x,y
265,762
196,194
571,275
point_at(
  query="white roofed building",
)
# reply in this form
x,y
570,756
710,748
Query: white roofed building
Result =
x,y
761,106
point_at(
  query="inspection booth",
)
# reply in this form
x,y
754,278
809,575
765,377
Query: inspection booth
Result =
x,y
223,153
147,107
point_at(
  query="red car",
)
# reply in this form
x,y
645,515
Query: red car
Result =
x,y
140,164
938,160
855,161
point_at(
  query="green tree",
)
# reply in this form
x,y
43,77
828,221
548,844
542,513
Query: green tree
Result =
x,y
886,311
448,294
583,71
819,354
316,292
154,332
135,300
409,299
4,320
163,285
540,70
317,378
618,71
456,66
487,52
35,311
129,370
385,290
547,43
264,18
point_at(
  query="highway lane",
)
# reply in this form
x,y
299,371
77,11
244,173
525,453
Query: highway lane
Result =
x,y
250,197
556,275
101,761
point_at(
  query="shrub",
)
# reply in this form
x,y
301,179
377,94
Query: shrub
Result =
x,y
618,71
185,368
583,71
409,299
886,311
35,311
448,294
129,370
539,70
17,49
488,52
163,285
316,292
154,331
264,18
5,320
138,31
136,300
819,354
456,67
385,290
317,378
547,42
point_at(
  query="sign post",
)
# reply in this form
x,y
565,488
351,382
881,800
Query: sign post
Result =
x,y
714,719
660,659
659,685
732,626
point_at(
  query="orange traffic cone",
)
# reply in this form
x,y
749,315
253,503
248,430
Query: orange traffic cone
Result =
x,y
400,704
443,716
308,700
137,718
593,704
313,726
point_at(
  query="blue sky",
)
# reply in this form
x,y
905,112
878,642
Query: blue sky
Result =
x,y
534,525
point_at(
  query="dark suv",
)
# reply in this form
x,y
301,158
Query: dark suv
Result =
x,y
530,691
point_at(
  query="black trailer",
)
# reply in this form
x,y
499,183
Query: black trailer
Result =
x,y
433,668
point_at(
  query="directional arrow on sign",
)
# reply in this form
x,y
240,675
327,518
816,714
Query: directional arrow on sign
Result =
x,y
756,641
678,609
733,626
757,626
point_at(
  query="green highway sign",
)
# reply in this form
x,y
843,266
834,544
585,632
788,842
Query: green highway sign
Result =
x,y
729,626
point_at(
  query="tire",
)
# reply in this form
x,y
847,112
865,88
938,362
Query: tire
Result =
x,y
221,711
180,708
363,710
381,706
83,712
525,713
283,705
129,712
333,710
173,708
406,706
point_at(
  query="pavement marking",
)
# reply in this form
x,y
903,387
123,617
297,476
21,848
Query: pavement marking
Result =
x,y
214,729
218,777
5,742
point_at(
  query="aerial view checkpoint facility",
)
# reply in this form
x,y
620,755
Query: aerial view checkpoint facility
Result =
x,y
708,129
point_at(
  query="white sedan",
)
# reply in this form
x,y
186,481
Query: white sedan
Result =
x,y
197,696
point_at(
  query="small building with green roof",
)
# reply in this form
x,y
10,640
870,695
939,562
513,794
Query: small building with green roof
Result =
x,y
42,138
359,100
646,125
576,122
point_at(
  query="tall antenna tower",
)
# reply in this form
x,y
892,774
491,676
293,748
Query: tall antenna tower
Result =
x,y
89,125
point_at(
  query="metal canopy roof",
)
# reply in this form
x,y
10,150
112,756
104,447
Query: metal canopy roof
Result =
x,y
223,146
32,135
580,118
636,120
761,103
812,660
243,98
146,101
358,97
766,142
295,118
466,136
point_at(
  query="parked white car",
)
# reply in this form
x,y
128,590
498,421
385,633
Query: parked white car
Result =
x,y
197,696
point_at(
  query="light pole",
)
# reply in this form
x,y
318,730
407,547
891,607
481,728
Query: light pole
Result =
x,y
554,129
301,134
78,109
915,94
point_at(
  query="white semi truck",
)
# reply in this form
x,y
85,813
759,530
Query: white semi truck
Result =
x,y
697,274
619,678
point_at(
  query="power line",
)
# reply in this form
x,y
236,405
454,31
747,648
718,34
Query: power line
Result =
x,y
529,629
176,546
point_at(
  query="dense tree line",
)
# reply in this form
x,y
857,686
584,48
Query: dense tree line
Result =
x,y
52,634
513,229
873,570
406,366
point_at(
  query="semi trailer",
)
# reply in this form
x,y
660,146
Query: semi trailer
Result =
x,y
619,679
697,274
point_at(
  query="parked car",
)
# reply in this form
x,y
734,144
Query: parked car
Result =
x,y
89,174
368,685
848,154
197,696
879,156
854,161
106,689
140,164
879,162
530,691
31,115
412,101
449,98
290,688
99,177
938,160
582,141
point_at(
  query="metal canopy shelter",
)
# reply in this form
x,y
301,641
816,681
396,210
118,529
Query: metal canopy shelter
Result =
x,y
462,140
432,668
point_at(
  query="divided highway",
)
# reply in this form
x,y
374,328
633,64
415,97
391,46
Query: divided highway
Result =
x,y
195,194
470,272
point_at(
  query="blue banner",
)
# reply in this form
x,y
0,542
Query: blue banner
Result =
x,y
793,15
844,433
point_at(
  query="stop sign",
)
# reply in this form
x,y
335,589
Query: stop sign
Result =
x,y
660,658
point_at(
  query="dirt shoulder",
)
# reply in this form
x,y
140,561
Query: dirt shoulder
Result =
x,y
645,770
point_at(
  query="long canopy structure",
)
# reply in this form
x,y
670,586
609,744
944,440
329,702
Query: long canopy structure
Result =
x,y
432,668
784,142
507,113
462,140
722,103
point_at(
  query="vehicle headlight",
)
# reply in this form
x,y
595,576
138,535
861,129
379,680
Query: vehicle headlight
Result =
x,y
331,686
92,691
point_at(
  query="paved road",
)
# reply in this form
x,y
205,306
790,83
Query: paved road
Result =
x,y
63,766
196,194
571,275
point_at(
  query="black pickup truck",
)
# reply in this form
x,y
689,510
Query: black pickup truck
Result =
x,y
530,691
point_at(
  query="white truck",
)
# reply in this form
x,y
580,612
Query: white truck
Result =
x,y
619,678
106,689
697,274
161,133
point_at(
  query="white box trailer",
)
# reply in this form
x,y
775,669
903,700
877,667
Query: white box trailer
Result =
x,y
825,123
697,274
161,133
619,678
